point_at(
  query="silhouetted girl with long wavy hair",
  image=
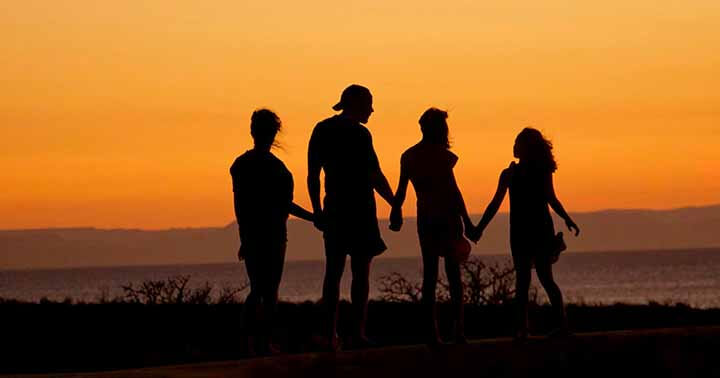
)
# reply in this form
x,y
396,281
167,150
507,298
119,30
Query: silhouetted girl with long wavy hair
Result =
x,y
533,241
263,199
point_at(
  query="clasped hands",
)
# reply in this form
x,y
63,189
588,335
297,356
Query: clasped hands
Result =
x,y
472,232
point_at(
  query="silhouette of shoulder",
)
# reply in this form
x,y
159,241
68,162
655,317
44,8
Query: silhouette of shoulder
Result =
x,y
424,156
251,157
343,148
338,124
507,173
259,168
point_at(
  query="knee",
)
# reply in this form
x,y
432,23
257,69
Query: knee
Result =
x,y
546,279
549,284
360,283
270,295
360,267
430,279
456,288
429,285
522,294
333,277
428,296
252,296
331,287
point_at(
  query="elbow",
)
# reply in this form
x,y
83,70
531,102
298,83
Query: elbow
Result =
x,y
554,202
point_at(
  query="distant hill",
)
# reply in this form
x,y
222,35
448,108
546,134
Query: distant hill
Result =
x,y
610,230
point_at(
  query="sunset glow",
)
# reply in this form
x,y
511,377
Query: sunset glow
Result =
x,y
128,114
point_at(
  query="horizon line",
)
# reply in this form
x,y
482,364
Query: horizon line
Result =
x,y
178,228
476,254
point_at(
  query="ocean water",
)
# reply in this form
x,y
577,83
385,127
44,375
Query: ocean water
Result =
x,y
679,276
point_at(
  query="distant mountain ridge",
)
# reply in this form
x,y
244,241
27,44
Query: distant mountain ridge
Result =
x,y
607,230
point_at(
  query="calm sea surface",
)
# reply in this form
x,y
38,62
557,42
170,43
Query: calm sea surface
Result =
x,y
690,277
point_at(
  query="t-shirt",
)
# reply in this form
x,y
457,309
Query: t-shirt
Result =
x,y
429,167
344,150
263,193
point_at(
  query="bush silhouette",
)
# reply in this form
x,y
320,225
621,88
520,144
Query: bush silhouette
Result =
x,y
484,284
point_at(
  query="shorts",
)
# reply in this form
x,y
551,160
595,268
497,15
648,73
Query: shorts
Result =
x,y
354,240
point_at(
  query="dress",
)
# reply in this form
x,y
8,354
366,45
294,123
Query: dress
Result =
x,y
440,229
344,150
531,226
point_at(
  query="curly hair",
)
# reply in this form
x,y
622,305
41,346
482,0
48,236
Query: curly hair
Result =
x,y
535,149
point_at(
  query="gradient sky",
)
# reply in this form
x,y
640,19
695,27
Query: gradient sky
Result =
x,y
129,113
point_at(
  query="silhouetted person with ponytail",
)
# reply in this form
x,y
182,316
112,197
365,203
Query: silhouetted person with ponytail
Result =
x,y
441,216
342,147
533,241
263,198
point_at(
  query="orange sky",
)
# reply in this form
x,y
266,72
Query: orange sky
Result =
x,y
129,113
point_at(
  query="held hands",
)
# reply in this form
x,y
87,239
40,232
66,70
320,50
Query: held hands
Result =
x,y
396,220
319,220
572,226
473,233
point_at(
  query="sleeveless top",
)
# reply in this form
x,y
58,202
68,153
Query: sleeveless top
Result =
x,y
531,226
439,222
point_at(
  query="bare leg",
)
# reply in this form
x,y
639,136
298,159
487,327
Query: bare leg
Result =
x,y
270,288
251,307
522,287
359,292
430,277
334,267
452,270
545,275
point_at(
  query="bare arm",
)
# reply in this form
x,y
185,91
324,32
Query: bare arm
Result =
x,y
382,186
555,204
379,182
237,195
470,231
313,180
238,210
396,213
461,204
301,213
494,205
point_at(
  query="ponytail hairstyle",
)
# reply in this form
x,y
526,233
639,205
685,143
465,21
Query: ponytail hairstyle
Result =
x,y
433,124
264,126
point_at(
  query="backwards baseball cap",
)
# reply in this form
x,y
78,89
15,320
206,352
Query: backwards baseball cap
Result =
x,y
352,95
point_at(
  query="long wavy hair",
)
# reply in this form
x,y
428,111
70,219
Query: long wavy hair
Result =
x,y
533,148
264,126
433,124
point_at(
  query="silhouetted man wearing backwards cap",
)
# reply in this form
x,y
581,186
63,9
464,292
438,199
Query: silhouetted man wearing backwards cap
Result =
x,y
342,147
